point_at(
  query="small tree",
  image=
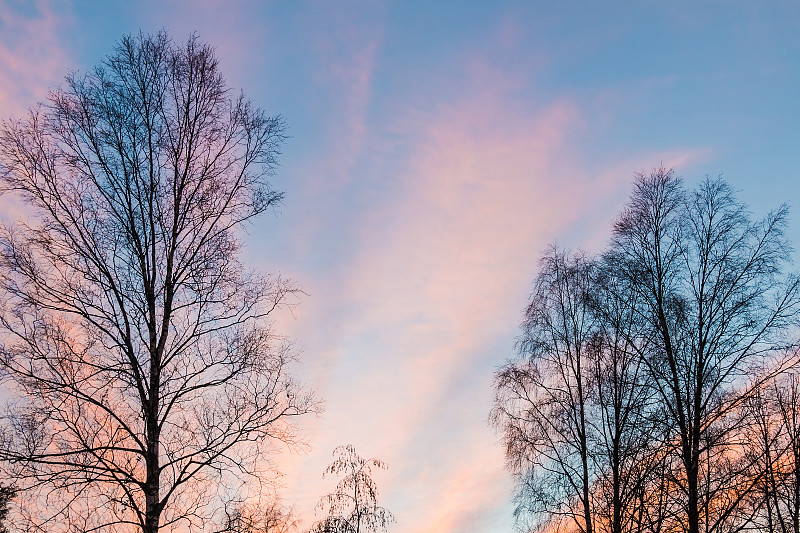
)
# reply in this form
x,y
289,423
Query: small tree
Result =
x,y
271,517
353,507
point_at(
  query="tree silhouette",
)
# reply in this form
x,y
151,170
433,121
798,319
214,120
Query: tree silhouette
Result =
x,y
715,296
639,401
542,400
132,333
270,517
353,507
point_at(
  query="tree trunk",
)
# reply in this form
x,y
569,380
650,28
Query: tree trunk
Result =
x,y
693,506
617,518
152,490
587,508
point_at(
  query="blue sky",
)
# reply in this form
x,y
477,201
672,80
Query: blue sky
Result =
x,y
437,148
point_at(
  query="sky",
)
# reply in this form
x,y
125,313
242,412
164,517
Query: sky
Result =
x,y
436,149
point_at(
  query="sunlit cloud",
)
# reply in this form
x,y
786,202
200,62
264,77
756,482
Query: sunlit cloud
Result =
x,y
436,283
32,56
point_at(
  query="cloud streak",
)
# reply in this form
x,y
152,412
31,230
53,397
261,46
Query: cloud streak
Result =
x,y
422,298
440,269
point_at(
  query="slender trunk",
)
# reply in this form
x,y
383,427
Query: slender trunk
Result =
x,y
357,508
796,476
617,518
616,525
688,434
587,510
693,503
770,486
152,482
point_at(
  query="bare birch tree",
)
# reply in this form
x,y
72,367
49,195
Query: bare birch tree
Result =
x,y
775,446
628,408
133,335
720,306
626,426
353,506
542,399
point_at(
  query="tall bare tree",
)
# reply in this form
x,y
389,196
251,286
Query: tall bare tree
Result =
x,y
719,303
775,446
626,425
132,333
786,491
628,409
542,399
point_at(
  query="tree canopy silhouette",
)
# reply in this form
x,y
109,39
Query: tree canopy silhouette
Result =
x,y
642,371
132,333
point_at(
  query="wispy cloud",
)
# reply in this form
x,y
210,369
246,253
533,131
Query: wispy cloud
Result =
x,y
32,56
425,293
32,60
434,284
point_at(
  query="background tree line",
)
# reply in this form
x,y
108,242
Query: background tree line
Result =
x,y
655,388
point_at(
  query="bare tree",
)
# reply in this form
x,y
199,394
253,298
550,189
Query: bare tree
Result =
x,y
542,400
718,302
148,380
787,492
272,517
626,455
775,447
353,507
627,410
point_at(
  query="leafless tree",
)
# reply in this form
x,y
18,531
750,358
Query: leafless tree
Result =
x,y
628,409
353,506
775,447
272,517
147,377
719,304
542,399
787,493
627,453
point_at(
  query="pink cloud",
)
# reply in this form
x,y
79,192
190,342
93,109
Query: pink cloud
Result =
x,y
435,288
32,61
32,58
